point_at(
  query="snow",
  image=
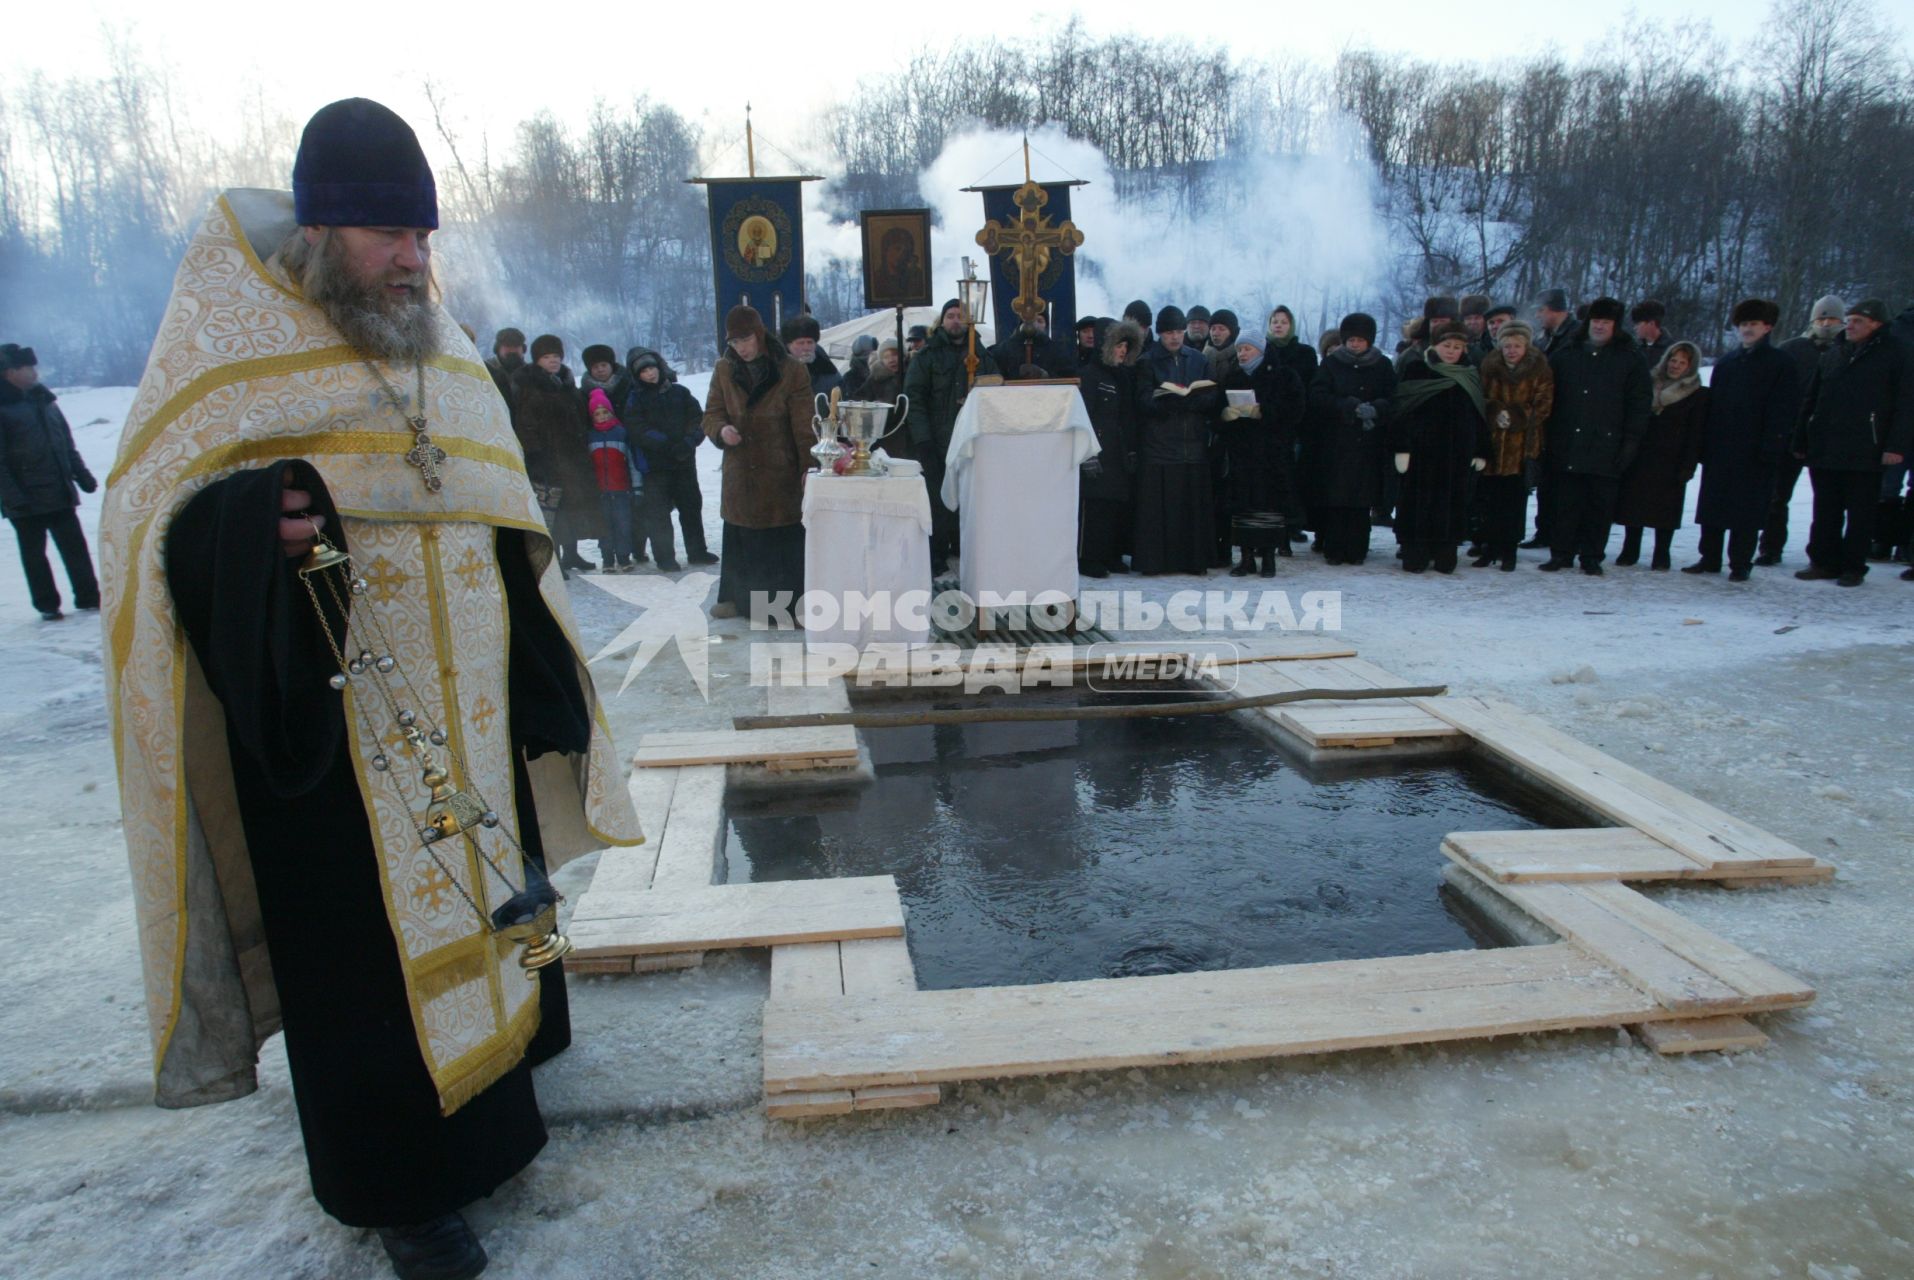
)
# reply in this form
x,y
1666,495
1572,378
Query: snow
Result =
x,y
1782,701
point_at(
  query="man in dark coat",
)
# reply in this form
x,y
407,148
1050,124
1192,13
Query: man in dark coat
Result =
x,y
508,353
1350,405
1826,327
1754,399
1859,417
1602,400
1116,396
1175,503
1645,318
1029,352
937,382
1493,319
39,469
668,423
800,336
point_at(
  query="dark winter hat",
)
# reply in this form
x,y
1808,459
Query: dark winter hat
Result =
x,y
1440,307
1138,311
1227,318
1648,309
1553,300
865,344
547,344
1756,309
918,333
945,309
1872,308
1197,313
508,338
742,322
800,326
1358,324
360,165
1475,304
599,353
1170,318
1500,309
1086,322
643,360
1606,308
1445,330
15,356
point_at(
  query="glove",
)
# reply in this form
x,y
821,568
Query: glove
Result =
x,y
1250,411
1402,464
1478,464
1232,412
1092,466
1367,412
87,483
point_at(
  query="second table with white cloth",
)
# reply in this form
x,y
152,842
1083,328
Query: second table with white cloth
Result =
x,y
867,538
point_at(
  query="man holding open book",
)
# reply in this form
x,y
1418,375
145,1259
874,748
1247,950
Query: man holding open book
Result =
x,y
1175,529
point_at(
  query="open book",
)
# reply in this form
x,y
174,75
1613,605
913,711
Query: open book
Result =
x,y
1171,389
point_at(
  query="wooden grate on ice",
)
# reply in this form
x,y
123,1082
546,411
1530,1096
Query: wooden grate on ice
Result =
x,y
845,1027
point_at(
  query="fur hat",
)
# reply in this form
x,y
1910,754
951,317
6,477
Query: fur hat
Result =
x,y
1358,324
508,337
1553,300
1607,308
1169,318
1440,307
1446,329
1123,331
741,322
1499,309
1515,329
1648,309
801,325
1197,313
548,344
1829,307
599,353
1475,304
15,356
1872,308
1139,312
360,165
1224,316
1756,309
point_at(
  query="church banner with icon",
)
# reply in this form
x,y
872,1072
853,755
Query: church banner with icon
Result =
x,y
757,247
1051,237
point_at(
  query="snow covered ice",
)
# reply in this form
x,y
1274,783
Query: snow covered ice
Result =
x,y
1580,1154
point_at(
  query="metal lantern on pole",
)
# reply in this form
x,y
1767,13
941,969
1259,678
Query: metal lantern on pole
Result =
x,y
974,295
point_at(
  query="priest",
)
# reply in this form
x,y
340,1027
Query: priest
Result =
x,y
353,722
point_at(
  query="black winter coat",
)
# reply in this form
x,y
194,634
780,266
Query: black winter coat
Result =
x,y
1341,451
1054,358
1859,406
1117,397
1442,436
1177,429
667,422
1297,356
824,372
1257,452
39,466
502,375
1806,354
935,382
1602,398
552,428
1655,490
1754,398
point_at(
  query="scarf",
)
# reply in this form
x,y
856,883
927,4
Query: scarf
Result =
x,y
1344,355
1411,393
1674,390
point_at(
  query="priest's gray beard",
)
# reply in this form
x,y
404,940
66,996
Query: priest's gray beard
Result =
x,y
372,323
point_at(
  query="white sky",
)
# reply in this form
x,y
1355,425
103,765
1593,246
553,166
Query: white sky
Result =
x,y
499,65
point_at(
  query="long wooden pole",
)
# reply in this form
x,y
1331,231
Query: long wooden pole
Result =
x,y
750,144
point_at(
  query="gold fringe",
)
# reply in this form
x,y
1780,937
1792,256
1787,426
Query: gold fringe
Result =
x,y
460,1083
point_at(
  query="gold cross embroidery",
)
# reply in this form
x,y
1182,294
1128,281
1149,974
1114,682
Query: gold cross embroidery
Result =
x,y
385,579
470,569
482,712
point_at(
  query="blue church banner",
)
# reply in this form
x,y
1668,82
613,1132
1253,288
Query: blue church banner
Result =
x,y
757,247
1057,285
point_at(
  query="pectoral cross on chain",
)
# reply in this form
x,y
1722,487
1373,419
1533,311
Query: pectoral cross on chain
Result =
x,y
425,455
1029,240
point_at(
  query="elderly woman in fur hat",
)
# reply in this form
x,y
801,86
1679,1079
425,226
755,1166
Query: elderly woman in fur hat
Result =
x,y
1655,487
1520,391
1350,402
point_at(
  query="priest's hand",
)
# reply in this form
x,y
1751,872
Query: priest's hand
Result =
x,y
1402,464
298,526
729,434
1478,464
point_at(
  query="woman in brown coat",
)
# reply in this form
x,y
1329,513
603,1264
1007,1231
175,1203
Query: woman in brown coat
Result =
x,y
1655,488
1520,391
759,414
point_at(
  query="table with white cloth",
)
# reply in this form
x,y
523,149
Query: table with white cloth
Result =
x,y
867,534
1011,476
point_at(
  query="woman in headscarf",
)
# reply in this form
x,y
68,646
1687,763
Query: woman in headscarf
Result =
x,y
1655,486
1282,346
1439,434
1258,448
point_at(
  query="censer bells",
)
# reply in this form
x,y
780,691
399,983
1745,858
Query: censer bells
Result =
x,y
529,917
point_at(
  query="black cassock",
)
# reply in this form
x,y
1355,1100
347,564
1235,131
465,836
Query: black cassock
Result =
x,y
379,1151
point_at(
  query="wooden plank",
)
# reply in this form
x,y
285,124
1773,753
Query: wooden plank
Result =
x,y
1588,853
929,1036
809,1105
887,1097
694,833
806,971
666,962
1752,976
739,915
1329,724
744,746
1724,1034
873,966
1614,789
585,965
1676,983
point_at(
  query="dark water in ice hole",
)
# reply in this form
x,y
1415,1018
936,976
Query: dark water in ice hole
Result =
x,y
1042,852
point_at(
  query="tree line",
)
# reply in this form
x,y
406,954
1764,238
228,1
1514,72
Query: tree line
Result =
x,y
1663,164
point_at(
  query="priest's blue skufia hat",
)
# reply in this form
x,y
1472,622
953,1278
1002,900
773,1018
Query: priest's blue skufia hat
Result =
x,y
360,165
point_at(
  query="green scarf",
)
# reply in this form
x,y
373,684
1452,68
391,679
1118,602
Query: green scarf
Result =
x,y
1410,393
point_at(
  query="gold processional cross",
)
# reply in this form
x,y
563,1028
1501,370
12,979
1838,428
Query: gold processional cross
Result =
x,y
1029,240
